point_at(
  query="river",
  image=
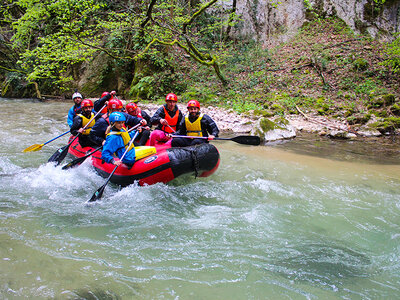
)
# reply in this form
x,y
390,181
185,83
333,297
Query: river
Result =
x,y
278,221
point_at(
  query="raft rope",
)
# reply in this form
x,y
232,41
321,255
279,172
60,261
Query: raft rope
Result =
x,y
195,161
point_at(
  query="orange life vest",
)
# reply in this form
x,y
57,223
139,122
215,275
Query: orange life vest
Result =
x,y
172,121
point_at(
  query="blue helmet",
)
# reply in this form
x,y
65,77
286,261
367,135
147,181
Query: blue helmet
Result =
x,y
117,116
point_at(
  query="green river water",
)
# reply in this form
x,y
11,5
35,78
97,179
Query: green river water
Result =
x,y
305,219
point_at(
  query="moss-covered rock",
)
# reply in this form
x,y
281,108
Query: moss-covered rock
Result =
x,y
358,119
267,125
269,130
386,125
395,109
388,99
277,108
263,112
360,64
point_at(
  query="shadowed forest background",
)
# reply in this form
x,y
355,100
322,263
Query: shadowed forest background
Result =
x,y
145,50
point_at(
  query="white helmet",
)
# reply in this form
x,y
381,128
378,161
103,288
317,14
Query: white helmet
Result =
x,y
76,95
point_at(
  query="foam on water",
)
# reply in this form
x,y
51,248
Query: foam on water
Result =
x,y
267,224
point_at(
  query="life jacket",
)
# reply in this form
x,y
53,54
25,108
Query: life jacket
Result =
x,y
86,121
194,129
125,137
172,121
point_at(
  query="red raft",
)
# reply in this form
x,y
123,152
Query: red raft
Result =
x,y
163,166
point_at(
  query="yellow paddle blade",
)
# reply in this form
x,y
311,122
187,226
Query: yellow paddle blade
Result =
x,y
35,147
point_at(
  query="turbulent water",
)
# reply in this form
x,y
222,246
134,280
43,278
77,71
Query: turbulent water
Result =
x,y
271,223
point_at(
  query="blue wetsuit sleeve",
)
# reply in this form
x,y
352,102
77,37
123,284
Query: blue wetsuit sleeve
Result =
x,y
109,148
71,115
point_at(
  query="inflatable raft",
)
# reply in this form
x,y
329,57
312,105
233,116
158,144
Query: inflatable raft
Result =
x,y
163,166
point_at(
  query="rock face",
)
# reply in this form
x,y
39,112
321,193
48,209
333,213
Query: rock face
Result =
x,y
271,22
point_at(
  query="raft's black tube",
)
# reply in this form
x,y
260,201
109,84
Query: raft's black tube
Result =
x,y
202,157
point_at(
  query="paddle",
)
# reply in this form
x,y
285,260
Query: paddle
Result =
x,y
61,153
171,128
82,159
97,195
37,147
241,139
79,160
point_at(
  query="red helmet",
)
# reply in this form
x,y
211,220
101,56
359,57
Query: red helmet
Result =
x,y
171,97
87,103
106,93
193,103
115,104
131,107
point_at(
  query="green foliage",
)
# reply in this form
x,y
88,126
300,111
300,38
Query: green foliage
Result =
x,y
360,64
201,93
393,55
50,40
142,89
54,38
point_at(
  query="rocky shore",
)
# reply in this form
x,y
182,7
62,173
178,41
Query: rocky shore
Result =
x,y
229,121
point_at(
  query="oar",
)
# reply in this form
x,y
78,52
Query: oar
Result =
x,y
173,130
82,159
37,147
97,195
61,153
79,160
241,139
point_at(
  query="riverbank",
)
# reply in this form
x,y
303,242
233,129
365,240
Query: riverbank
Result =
x,y
232,122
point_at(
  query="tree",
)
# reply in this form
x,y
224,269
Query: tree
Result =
x,y
54,37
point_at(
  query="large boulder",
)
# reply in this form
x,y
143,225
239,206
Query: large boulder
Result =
x,y
270,131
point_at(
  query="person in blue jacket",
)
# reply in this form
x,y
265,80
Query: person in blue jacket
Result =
x,y
117,141
75,109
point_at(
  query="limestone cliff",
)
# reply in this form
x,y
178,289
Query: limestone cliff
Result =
x,y
271,22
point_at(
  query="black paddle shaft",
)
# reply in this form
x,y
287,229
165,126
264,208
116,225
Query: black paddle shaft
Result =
x,y
97,195
244,139
79,160
241,139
